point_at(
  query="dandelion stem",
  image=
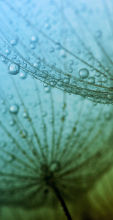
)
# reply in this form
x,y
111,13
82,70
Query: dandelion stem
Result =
x,y
62,202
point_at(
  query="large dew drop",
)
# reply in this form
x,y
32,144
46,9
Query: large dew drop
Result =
x,y
83,73
13,69
14,109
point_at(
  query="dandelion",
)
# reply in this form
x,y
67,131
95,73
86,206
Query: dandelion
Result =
x,y
54,142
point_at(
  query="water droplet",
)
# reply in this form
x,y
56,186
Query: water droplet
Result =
x,y
13,69
99,83
45,85
8,51
110,96
47,26
14,56
62,53
25,115
43,126
47,89
3,59
23,75
14,42
52,82
59,83
70,70
32,46
66,80
37,65
83,73
91,80
10,96
34,39
14,108
44,114
11,123
10,158
108,115
104,79
71,62
51,50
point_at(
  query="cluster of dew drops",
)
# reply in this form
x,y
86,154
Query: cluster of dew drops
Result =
x,y
96,87
14,68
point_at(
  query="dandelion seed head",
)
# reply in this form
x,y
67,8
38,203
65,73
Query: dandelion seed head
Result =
x,y
56,100
57,149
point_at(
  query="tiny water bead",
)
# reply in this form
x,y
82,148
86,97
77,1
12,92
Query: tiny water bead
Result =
x,y
108,115
37,65
23,75
47,89
25,115
104,79
66,80
14,42
13,69
52,82
44,114
70,70
62,53
99,83
83,73
11,123
3,59
51,50
8,51
32,46
14,109
91,80
110,96
10,96
34,39
71,62
60,83
14,57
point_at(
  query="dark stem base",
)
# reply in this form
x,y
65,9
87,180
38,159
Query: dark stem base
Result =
x,y
62,202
